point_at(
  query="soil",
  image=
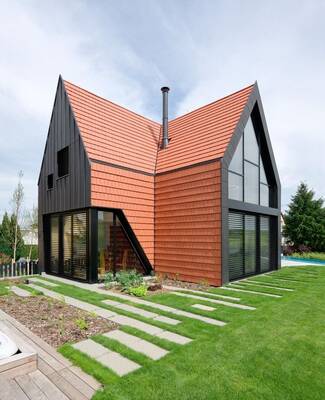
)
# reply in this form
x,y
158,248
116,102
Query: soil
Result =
x,y
54,321
186,285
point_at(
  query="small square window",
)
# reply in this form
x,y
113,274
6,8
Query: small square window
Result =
x,y
50,181
63,162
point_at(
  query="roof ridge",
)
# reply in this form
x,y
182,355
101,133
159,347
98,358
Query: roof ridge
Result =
x,y
110,101
215,101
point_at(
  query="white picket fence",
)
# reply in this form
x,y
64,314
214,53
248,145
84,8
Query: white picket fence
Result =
x,y
19,269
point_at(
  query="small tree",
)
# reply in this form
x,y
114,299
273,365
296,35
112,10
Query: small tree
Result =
x,y
9,235
305,220
5,245
17,201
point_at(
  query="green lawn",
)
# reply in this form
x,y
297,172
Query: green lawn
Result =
x,y
274,352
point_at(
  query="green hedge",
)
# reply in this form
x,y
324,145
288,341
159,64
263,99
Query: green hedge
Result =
x,y
310,256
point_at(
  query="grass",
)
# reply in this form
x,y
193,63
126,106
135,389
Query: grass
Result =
x,y
275,351
310,256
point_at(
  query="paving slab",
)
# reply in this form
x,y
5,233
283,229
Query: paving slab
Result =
x,y
132,309
250,291
266,285
44,282
200,292
134,323
91,348
222,302
133,342
167,320
174,337
203,307
117,363
20,292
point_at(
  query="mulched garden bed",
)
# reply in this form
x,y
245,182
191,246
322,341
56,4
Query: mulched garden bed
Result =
x,y
186,285
54,321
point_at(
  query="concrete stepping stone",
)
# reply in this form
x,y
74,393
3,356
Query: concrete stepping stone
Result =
x,y
117,363
200,292
167,320
141,346
250,291
140,311
224,303
91,348
169,309
262,284
20,292
114,361
46,283
174,337
134,323
203,307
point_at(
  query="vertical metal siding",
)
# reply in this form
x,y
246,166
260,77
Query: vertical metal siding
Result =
x,y
72,191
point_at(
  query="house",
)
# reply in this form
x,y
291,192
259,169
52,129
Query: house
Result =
x,y
196,198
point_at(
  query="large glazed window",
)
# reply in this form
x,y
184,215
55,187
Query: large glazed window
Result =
x,y
115,251
247,180
248,244
69,245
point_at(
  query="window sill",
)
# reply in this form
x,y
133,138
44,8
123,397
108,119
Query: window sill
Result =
x,y
62,177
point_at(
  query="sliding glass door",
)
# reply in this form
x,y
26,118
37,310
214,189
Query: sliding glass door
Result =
x,y
248,244
68,245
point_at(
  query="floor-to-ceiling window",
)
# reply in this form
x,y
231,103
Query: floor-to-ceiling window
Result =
x,y
68,245
249,244
115,251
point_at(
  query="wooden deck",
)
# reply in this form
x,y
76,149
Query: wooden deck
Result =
x,y
55,377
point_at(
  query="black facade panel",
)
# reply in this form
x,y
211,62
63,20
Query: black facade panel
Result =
x,y
72,191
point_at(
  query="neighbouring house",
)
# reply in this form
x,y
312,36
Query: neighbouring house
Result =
x,y
196,198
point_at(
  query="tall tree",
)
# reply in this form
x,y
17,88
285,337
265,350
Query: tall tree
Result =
x,y
305,220
17,201
31,226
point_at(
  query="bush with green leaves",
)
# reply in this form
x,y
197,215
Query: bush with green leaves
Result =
x,y
129,279
139,291
125,279
81,323
109,279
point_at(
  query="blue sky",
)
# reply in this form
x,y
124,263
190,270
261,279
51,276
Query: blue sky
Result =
x,y
126,50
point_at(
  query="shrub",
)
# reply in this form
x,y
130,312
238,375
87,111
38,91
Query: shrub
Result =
x,y
81,324
129,279
109,279
139,291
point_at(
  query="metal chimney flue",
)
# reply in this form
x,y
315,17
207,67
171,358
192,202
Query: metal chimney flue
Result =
x,y
165,138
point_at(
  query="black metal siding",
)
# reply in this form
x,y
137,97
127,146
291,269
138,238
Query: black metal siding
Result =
x,y
73,190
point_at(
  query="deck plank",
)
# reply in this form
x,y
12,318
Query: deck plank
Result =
x,y
10,390
30,388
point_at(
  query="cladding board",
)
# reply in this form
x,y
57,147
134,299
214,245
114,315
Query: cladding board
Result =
x,y
189,246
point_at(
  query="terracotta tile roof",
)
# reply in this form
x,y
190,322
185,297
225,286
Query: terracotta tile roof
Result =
x,y
112,133
116,135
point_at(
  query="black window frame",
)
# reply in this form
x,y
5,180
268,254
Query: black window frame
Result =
x,y
63,162
258,165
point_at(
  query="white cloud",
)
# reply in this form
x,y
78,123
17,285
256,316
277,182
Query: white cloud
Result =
x,y
125,51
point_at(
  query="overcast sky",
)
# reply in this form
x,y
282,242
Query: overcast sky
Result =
x,y
126,50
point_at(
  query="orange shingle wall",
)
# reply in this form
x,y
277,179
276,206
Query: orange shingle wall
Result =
x,y
188,223
133,193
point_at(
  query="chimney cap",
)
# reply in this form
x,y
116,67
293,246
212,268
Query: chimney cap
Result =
x,y
165,89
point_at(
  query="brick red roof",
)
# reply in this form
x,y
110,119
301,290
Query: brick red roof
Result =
x,y
115,135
